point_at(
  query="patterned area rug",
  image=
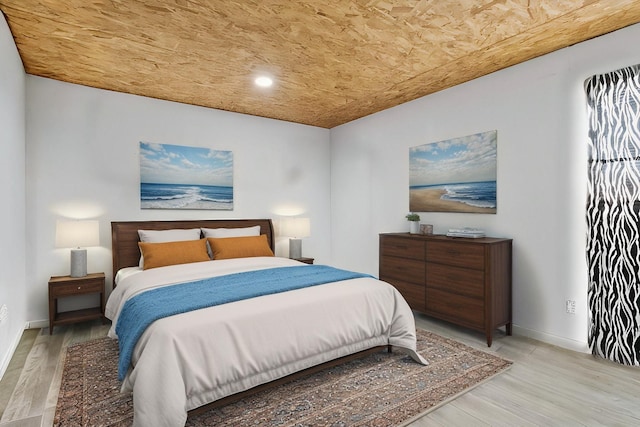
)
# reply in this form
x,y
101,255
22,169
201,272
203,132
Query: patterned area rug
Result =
x,y
381,389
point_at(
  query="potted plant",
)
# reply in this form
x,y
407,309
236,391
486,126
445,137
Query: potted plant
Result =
x,y
414,223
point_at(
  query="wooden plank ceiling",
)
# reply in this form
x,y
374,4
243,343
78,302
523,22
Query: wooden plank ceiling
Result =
x,y
332,61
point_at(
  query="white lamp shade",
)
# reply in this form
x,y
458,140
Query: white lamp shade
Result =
x,y
76,234
295,227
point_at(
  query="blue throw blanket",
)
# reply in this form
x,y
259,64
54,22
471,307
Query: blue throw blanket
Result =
x,y
145,308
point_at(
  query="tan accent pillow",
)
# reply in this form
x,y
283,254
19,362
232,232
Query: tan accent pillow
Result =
x,y
172,253
171,235
240,247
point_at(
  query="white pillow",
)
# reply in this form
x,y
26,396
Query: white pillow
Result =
x,y
231,232
174,235
163,236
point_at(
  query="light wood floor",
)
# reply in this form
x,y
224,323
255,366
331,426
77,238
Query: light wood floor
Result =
x,y
546,386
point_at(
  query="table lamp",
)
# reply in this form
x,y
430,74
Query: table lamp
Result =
x,y
77,235
295,229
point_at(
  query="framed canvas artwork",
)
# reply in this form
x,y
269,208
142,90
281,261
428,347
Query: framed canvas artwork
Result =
x,y
455,175
179,177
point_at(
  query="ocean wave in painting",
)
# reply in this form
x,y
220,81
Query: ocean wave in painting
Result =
x,y
182,196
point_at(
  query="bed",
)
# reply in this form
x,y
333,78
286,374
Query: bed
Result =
x,y
193,359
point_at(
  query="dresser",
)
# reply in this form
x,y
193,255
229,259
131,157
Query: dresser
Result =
x,y
461,280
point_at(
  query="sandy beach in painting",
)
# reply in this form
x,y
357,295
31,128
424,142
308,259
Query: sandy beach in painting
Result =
x,y
429,200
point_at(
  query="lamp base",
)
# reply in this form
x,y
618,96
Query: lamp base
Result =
x,y
78,262
295,248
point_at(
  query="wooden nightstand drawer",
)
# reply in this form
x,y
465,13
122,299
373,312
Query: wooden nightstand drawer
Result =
x,y
76,289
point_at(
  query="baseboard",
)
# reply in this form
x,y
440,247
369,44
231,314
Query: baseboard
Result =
x,y
37,324
9,355
573,345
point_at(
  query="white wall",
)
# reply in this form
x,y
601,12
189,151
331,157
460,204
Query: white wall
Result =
x,y
12,193
83,161
538,109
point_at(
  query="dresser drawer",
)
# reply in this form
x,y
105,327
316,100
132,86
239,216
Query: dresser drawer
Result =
x,y
457,308
402,247
408,270
462,281
466,255
413,293
77,288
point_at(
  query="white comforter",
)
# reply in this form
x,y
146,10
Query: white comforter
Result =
x,y
188,360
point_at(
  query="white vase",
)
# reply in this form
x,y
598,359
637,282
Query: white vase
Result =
x,y
414,227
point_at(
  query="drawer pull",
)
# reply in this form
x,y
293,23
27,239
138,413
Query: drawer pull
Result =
x,y
79,287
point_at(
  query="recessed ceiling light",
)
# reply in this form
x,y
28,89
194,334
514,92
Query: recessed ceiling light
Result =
x,y
264,81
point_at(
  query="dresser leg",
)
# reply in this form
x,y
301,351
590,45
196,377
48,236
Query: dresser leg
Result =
x,y
509,329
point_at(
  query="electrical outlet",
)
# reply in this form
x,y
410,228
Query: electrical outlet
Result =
x,y
4,311
571,306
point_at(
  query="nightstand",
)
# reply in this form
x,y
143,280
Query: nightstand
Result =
x,y
67,286
305,260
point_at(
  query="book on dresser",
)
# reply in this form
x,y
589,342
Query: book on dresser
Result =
x,y
466,281
473,233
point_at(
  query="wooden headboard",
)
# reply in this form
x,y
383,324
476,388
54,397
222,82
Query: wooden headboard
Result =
x,y
124,235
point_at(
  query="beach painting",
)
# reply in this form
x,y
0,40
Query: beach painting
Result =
x,y
455,175
179,177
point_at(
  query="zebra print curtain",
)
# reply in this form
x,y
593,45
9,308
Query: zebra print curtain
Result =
x,y
613,215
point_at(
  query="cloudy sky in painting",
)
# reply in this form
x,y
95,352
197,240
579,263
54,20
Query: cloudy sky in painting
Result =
x,y
470,158
176,164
